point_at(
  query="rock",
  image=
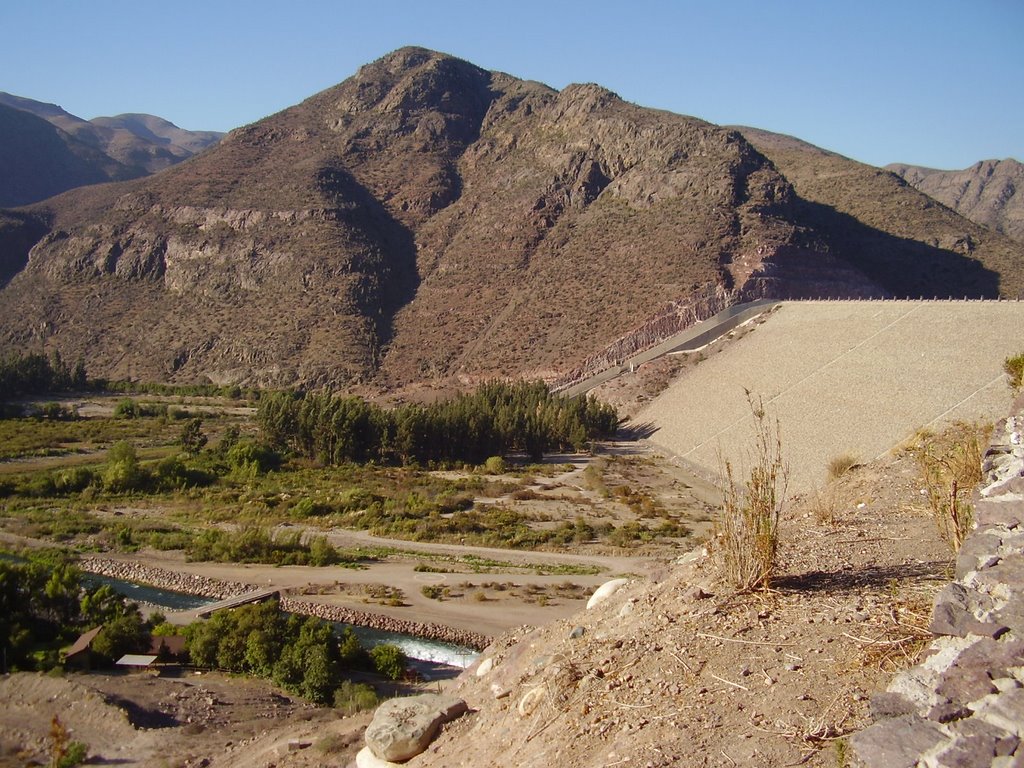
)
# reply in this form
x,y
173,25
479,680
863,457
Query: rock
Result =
x,y
1003,710
402,728
484,666
366,759
576,633
605,591
896,743
885,705
531,699
498,692
695,593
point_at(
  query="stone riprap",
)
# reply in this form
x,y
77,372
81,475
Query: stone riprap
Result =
x,y
205,586
964,705
161,578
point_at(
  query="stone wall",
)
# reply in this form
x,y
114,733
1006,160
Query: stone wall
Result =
x,y
963,706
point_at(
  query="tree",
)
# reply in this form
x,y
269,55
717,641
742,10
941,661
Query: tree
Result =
x,y
389,660
102,605
192,438
125,634
123,472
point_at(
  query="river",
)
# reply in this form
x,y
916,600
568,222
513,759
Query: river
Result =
x,y
433,651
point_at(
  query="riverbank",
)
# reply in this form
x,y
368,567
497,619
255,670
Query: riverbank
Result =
x,y
207,586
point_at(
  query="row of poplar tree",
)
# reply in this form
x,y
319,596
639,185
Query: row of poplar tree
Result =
x,y
497,419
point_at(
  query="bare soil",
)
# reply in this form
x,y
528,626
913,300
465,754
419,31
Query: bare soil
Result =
x,y
683,671
165,722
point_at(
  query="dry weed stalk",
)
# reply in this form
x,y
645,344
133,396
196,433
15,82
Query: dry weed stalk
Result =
x,y
952,469
747,532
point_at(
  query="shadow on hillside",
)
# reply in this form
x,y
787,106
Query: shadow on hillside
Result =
x,y
636,430
857,578
143,717
19,232
904,267
384,257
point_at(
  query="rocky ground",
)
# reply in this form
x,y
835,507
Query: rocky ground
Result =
x,y
681,671
191,720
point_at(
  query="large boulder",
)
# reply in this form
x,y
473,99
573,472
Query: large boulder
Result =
x,y
402,728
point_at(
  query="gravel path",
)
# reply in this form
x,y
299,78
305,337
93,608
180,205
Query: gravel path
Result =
x,y
841,377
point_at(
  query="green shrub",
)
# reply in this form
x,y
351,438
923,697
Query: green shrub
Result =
x,y
251,457
495,465
388,660
123,472
127,409
73,479
351,698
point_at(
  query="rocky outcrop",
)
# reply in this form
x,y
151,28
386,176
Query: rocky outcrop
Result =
x,y
964,705
194,584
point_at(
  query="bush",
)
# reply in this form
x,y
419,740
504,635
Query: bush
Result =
x,y
127,409
747,532
123,472
388,660
1014,367
951,465
250,457
351,698
192,438
495,465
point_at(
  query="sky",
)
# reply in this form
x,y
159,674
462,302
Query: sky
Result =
x,y
938,83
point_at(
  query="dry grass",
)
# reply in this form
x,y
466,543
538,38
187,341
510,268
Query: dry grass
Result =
x,y
951,466
825,504
841,464
747,532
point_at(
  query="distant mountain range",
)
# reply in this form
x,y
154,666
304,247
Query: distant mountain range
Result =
x,y
427,223
45,150
986,192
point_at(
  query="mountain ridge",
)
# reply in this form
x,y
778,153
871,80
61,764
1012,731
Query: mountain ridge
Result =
x,y
427,221
113,148
986,192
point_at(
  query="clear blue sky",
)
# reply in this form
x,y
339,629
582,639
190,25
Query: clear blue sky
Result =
x,y
931,82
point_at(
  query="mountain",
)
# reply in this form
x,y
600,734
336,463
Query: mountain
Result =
x,y
985,193
427,221
890,231
40,161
